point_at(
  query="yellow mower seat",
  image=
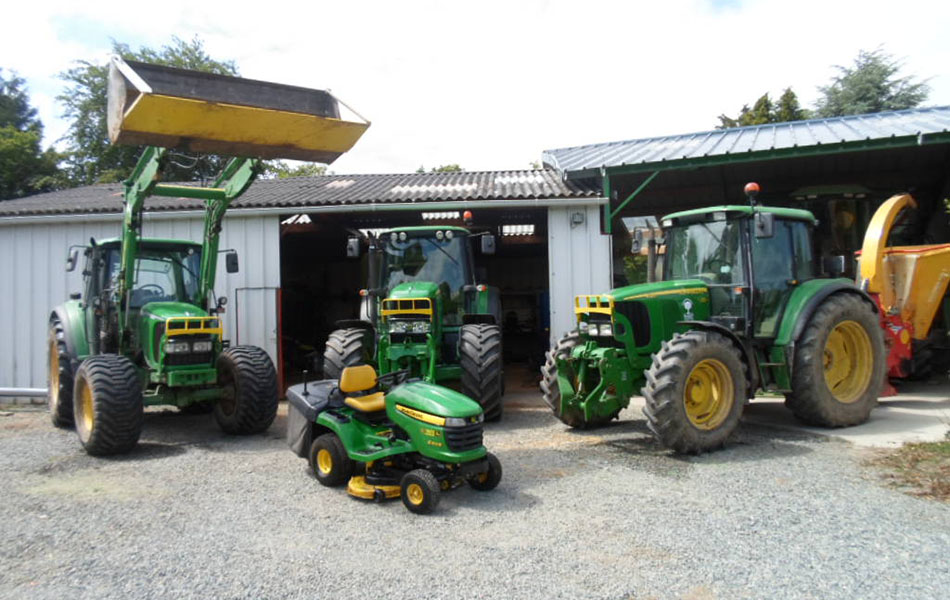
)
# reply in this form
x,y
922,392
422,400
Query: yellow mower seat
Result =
x,y
360,379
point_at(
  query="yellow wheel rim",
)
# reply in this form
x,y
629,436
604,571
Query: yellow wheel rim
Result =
x,y
53,371
324,461
709,394
415,493
86,416
848,361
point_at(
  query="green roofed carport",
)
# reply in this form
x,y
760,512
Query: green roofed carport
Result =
x,y
873,155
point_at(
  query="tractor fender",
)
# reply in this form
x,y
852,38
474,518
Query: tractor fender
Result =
x,y
70,314
802,305
747,355
356,324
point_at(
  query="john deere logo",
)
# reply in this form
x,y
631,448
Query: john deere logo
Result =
x,y
688,308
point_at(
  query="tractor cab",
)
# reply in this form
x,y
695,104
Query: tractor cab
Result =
x,y
749,258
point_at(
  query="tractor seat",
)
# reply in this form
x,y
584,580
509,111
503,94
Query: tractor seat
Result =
x,y
354,380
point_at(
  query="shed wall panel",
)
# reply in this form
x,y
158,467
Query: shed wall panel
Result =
x,y
579,260
32,261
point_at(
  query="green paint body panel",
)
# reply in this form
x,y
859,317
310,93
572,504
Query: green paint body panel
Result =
x,y
797,302
365,442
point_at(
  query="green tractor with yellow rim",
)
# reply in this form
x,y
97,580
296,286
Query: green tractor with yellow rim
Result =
x,y
741,307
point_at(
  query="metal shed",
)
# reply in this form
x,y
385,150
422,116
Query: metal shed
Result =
x,y
36,233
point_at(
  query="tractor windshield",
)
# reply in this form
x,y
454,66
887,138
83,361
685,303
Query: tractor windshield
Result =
x,y
162,274
422,256
710,251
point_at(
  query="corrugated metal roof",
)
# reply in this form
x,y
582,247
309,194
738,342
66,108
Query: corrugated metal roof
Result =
x,y
328,190
721,145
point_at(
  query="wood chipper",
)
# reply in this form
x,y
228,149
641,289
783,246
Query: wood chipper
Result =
x,y
147,328
909,285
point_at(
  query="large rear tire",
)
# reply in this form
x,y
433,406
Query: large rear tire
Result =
x,y
60,384
329,462
695,390
345,348
248,383
108,404
839,364
481,361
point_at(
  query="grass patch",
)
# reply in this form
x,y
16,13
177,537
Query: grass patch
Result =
x,y
921,469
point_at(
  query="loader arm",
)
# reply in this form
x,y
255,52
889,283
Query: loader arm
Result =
x,y
233,181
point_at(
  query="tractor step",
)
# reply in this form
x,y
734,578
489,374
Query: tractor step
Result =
x,y
155,105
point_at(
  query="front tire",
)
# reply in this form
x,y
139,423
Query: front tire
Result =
x,y
345,348
420,492
695,390
489,480
329,461
481,360
839,364
551,393
107,404
60,369
248,383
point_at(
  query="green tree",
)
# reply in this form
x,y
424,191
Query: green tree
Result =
x,y
453,168
91,158
278,169
872,84
25,168
765,111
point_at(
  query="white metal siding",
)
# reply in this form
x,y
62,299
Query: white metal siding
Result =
x,y
32,265
579,260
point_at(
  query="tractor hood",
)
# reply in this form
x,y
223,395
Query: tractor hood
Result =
x,y
415,289
659,288
160,311
433,399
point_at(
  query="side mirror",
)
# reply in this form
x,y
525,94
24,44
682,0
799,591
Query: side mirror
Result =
x,y
72,259
764,225
834,265
636,244
231,262
352,247
488,244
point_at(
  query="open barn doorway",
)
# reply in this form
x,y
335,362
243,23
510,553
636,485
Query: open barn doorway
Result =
x,y
320,285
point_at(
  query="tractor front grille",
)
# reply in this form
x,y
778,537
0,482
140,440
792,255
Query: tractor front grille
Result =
x,y
178,360
461,439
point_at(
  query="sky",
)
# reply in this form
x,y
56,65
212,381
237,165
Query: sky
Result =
x,y
490,85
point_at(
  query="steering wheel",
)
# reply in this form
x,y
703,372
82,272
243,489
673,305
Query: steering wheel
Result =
x,y
153,289
393,379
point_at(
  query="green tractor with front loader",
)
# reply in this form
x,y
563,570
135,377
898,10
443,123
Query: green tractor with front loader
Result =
x,y
423,312
147,328
740,307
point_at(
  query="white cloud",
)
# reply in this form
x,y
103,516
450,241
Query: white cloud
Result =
x,y
491,84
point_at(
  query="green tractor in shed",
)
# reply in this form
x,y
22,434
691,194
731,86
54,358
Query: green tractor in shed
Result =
x,y
740,308
147,329
422,311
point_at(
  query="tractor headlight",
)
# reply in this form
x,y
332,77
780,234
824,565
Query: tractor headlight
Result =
x,y
202,346
398,326
593,329
420,326
177,347
583,327
464,421
606,330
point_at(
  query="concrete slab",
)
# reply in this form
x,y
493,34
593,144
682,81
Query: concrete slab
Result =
x,y
919,413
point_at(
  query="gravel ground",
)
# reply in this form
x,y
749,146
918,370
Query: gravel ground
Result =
x,y
192,513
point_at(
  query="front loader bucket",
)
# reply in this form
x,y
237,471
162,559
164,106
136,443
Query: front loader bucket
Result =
x,y
154,105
